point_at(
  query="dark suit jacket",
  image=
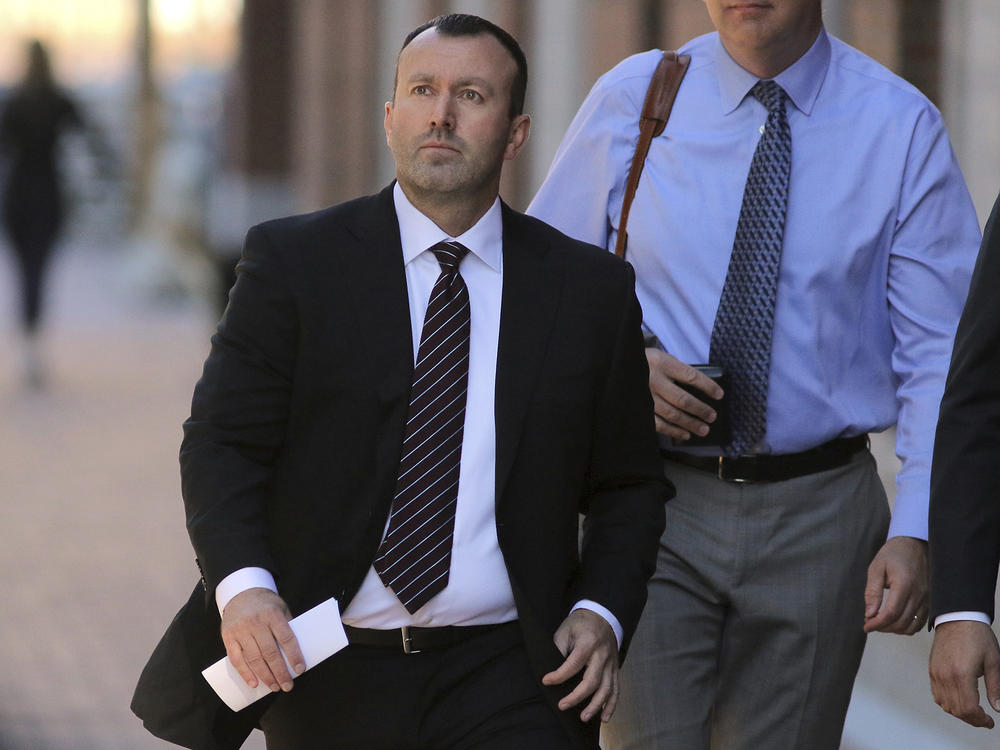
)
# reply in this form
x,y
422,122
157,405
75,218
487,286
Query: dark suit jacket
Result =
x,y
965,475
290,455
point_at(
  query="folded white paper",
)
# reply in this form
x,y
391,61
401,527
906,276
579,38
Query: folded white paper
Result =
x,y
320,634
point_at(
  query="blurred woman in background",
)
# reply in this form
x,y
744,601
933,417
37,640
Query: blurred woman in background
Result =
x,y
34,118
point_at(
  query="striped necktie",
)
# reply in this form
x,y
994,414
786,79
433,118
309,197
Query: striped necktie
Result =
x,y
414,558
741,336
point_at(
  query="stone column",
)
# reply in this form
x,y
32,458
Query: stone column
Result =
x,y
337,100
556,54
252,180
970,96
920,46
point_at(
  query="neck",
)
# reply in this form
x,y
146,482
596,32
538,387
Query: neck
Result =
x,y
454,214
768,62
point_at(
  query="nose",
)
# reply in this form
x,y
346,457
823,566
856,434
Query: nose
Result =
x,y
443,114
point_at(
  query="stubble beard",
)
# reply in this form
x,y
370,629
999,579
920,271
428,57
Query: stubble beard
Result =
x,y
437,176
440,176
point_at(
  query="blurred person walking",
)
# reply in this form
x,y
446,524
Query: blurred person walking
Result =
x,y
34,118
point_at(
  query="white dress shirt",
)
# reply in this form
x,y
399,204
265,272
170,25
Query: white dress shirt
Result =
x,y
478,590
955,616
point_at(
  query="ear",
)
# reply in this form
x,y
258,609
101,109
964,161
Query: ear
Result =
x,y
387,123
517,136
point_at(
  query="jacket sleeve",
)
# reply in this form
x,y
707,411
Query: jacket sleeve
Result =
x,y
626,491
964,514
238,419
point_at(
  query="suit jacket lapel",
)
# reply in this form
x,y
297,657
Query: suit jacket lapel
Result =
x,y
530,298
378,286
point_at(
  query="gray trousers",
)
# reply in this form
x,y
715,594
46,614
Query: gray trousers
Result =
x,y
752,634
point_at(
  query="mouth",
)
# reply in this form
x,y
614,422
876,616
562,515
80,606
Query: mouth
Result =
x,y
438,146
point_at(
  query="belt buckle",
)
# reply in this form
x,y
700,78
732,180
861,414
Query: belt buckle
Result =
x,y
408,641
723,477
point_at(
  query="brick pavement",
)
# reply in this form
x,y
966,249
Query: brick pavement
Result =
x,y
94,554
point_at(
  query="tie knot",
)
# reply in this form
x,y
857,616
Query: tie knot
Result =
x,y
449,255
770,94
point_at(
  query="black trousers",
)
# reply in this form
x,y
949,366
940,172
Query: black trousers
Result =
x,y
32,217
33,271
477,695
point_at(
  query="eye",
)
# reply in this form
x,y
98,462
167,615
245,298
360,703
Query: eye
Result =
x,y
421,90
471,95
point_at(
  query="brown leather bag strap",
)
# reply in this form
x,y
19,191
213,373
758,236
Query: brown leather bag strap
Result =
x,y
655,111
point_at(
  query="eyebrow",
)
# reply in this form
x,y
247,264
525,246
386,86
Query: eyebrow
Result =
x,y
470,81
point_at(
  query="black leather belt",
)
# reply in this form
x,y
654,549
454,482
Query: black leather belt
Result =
x,y
774,468
413,640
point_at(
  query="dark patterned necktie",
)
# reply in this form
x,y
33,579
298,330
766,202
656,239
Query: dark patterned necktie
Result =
x,y
741,337
414,558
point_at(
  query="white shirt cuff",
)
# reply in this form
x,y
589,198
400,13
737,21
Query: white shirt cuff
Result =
x,y
239,581
606,614
953,616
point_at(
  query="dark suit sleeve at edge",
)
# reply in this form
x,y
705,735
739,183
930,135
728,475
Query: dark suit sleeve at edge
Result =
x,y
626,490
965,475
238,417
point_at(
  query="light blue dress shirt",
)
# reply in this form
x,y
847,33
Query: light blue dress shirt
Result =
x,y
879,244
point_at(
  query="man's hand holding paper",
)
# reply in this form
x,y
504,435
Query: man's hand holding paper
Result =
x,y
315,635
255,631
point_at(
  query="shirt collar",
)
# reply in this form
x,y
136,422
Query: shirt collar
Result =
x,y
418,233
802,80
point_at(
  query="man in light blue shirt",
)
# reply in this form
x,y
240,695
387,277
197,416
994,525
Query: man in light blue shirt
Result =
x,y
775,564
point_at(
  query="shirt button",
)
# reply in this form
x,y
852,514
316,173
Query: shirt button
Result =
x,y
762,128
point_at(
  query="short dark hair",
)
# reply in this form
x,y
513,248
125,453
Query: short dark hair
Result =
x,y
464,24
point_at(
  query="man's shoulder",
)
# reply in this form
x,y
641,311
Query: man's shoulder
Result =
x,y
867,72
623,88
642,64
567,250
617,96
346,214
634,72
702,49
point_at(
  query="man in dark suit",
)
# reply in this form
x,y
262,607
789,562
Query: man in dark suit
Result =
x,y
298,454
965,504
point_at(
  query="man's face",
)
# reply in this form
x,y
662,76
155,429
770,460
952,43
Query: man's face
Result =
x,y
449,126
766,29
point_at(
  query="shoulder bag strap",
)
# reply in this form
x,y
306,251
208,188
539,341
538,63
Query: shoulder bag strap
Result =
x,y
655,111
